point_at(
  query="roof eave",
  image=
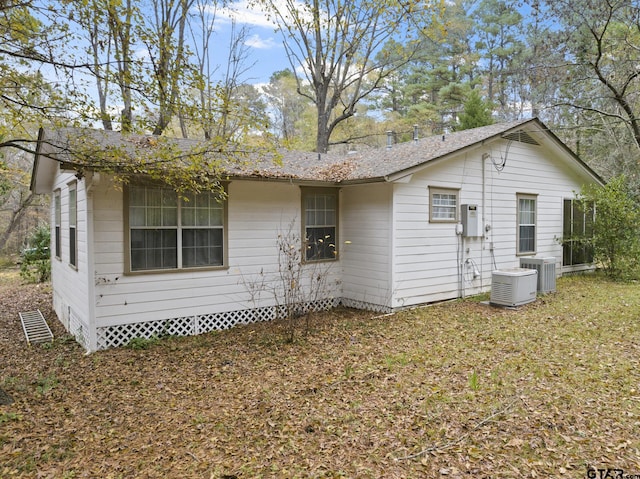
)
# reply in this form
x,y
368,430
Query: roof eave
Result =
x,y
363,181
306,181
43,169
398,175
34,169
465,149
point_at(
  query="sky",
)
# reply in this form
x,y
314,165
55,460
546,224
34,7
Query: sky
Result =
x,y
265,47
267,53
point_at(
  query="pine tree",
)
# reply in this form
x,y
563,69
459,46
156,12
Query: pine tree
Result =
x,y
476,112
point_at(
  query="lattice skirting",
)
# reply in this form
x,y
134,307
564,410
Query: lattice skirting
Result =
x,y
120,335
355,304
79,330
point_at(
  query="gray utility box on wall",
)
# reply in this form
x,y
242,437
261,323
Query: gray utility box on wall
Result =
x,y
546,268
513,287
470,221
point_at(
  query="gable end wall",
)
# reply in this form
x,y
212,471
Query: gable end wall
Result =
x,y
433,263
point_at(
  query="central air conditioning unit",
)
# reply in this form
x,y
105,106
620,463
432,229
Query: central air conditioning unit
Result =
x,y
546,268
513,287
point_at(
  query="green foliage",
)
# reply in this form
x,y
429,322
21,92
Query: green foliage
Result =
x,y
346,65
9,416
602,83
187,166
26,97
289,110
616,238
476,112
7,262
474,384
392,361
142,343
498,24
5,183
36,257
46,384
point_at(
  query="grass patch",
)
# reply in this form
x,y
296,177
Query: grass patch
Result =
x,y
142,343
9,416
9,275
46,384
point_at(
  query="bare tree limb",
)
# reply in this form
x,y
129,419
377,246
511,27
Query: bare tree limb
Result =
x,y
440,447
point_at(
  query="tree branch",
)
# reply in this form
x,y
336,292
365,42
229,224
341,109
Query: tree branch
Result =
x,y
440,447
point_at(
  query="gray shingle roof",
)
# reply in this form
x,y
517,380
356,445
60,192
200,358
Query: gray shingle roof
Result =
x,y
383,162
367,165
374,163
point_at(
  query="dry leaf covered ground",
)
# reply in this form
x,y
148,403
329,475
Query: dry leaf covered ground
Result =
x,y
455,390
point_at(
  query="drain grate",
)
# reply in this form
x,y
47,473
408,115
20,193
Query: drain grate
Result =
x,y
35,328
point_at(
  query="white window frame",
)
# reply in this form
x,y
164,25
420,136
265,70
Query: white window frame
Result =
x,y
73,224
182,206
329,243
57,224
438,197
523,224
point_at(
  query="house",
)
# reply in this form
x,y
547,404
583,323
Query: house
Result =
x,y
390,228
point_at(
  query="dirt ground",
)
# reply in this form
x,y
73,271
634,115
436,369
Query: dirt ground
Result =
x,y
455,390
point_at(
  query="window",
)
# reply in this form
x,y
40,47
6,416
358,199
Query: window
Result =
x,y
443,205
73,218
166,232
526,224
57,221
577,226
202,234
320,215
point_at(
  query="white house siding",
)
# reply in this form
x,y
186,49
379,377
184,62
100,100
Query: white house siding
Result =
x,y
365,241
430,259
71,284
257,213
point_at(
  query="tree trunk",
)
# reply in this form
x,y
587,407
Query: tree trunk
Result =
x,y
120,30
322,138
16,216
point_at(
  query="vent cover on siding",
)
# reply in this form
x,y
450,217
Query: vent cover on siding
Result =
x,y
521,136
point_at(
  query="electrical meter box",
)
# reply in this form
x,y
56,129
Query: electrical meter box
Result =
x,y
469,217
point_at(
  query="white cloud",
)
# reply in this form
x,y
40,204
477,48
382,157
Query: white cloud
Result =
x,y
248,13
245,13
141,53
255,41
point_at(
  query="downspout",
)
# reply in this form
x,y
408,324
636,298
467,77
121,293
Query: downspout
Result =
x,y
91,282
460,259
483,163
463,287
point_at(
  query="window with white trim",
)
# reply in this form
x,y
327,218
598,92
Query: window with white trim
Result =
x,y
320,228
73,219
526,234
167,232
443,205
57,220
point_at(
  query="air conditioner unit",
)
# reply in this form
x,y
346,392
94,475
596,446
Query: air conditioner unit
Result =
x,y
513,287
546,268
